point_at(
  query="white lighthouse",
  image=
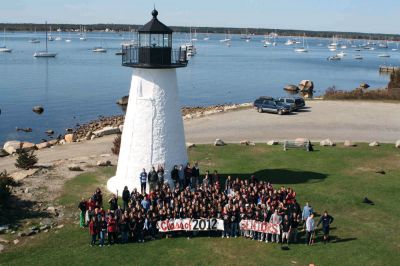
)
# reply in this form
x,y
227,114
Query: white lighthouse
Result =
x,y
153,131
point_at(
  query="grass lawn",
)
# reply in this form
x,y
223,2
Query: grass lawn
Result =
x,y
336,179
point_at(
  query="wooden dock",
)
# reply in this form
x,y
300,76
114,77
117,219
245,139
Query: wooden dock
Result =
x,y
389,69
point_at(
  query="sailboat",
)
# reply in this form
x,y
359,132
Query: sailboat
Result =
x,y
194,39
58,38
301,49
4,48
207,37
83,34
34,40
227,39
245,36
50,38
100,49
69,37
45,53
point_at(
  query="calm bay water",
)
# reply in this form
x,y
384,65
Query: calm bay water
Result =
x,y
78,85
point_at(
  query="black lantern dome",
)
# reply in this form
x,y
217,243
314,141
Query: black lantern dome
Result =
x,y
154,48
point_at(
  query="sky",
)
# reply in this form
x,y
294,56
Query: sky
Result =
x,y
340,15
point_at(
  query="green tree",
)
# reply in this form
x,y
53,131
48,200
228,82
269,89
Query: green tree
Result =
x,y
25,159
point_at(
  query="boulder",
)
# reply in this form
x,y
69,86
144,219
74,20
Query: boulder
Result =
x,y
21,175
106,131
245,142
397,144
306,85
26,130
364,86
88,135
300,141
292,88
3,153
272,142
69,138
190,145
104,163
327,142
12,146
49,132
69,130
74,167
219,142
38,109
43,145
15,241
53,142
349,143
5,241
374,144
123,101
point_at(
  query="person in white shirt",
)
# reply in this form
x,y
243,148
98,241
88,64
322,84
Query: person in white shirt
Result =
x,y
310,226
275,219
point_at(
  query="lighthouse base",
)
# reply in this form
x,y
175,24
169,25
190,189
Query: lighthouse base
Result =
x,y
153,131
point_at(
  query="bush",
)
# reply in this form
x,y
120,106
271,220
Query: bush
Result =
x,y
6,183
117,145
332,93
25,160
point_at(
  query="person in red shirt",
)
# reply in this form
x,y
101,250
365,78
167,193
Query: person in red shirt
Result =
x,y
112,229
93,230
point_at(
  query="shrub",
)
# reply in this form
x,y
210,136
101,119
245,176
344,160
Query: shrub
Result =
x,y
332,93
6,183
25,160
116,145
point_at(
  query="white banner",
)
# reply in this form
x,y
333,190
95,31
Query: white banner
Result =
x,y
190,225
263,227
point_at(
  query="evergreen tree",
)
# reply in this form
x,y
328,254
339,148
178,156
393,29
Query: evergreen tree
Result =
x,y
25,159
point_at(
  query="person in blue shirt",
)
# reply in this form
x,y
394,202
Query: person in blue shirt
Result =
x,y
143,181
307,210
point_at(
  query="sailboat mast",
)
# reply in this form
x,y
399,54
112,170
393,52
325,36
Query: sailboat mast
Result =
x,y
46,36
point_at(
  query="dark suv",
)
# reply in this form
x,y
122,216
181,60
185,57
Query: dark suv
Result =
x,y
296,102
268,104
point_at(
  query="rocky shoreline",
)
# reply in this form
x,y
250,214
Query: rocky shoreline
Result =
x,y
109,125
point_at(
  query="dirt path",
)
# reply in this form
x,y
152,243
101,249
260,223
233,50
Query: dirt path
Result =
x,y
337,120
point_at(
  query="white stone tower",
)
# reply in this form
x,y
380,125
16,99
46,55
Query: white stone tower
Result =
x,y
153,131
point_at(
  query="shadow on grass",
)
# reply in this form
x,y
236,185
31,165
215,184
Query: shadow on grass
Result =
x,y
16,210
279,176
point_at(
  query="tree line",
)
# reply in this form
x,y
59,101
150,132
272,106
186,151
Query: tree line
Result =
x,y
256,31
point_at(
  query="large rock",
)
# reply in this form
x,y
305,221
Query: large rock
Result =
x,y
104,163
69,138
38,109
43,145
327,142
74,167
28,146
306,85
292,88
397,145
53,142
301,141
272,142
21,175
107,131
49,132
124,100
88,135
219,142
349,143
12,146
3,153
364,86
190,145
374,144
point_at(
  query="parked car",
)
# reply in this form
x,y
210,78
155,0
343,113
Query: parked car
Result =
x,y
272,106
257,103
296,102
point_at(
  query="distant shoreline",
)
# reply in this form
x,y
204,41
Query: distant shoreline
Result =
x,y
116,28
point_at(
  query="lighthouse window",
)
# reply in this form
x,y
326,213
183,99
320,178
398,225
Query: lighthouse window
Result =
x,y
144,40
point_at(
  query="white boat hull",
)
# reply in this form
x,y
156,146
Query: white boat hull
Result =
x,y
44,54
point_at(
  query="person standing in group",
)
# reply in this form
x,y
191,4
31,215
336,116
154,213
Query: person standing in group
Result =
x,y
286,228
143,181
188,175
307,210
275,219
112,230
175,175
82,208
326,221
310,227
125,197
152,178
93,230
103,230
195,175
160,175
294,225
113,202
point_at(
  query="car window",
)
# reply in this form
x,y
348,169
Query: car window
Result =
x,y
289,101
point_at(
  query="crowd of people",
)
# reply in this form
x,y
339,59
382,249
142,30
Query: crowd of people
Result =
x,y
230,200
